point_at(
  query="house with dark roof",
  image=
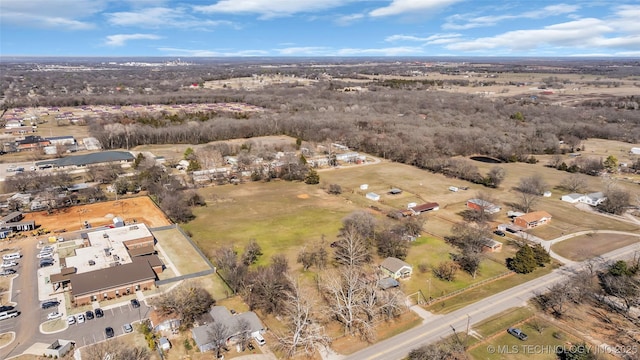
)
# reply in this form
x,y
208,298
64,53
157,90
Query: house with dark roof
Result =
x,y
79,161
246,324
31,142
13,222
396,268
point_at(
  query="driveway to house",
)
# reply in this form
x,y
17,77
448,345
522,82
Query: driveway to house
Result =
x,y
399,346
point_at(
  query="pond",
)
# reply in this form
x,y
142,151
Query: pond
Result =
x,y
486,159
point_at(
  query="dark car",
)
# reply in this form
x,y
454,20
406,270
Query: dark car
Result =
x,y
499,233
135,303
99,313
46,262
109,332
50,304
517,333
6,308
7,272
89,315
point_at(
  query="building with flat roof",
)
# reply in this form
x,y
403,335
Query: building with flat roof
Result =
x,y
103,157
132,236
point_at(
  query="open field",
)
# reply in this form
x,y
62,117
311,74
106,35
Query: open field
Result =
x,y
180,251
584,247
142,209
281,216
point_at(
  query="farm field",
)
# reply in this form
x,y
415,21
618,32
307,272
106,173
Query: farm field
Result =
x,y
584,247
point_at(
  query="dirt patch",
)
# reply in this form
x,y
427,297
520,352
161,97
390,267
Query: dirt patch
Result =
x,y
584,247
140,209
303,196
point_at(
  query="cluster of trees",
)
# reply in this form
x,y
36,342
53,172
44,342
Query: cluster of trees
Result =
x,y
528,258
188,300
470,240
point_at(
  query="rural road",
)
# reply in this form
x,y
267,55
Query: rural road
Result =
x,y
399,346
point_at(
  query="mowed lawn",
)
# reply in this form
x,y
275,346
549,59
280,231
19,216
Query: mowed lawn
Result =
x,y
583,247
281,216
182,254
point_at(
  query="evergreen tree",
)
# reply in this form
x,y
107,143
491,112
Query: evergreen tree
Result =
x,y
524,262
312,177
541,255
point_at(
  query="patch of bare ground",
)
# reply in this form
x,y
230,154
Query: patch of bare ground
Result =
x,y
587,246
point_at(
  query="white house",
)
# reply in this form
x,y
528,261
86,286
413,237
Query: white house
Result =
x,y
635,151
594,199
373,196
396,268
572,198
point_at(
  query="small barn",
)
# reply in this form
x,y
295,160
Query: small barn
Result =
x,y
572,198
373,196
396,268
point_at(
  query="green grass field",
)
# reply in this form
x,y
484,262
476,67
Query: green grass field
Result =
x,y
181,253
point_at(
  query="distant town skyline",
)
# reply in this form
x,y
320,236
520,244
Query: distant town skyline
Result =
x,y
317,28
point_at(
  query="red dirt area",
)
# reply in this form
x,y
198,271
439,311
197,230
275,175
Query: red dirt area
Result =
x,y
141,209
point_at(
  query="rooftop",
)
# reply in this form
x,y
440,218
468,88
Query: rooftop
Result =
x,y
120,234
88,159
535,216
120,275
393,264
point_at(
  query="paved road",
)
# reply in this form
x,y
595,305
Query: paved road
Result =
x,y
443,326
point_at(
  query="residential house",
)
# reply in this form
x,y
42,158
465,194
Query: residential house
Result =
x,y
396,268
246,324
160,322
572,198
532,219
20,198
593,199
31,143
490,245
479,204
62,140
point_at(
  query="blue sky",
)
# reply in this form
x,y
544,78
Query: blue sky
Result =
x,y
215,28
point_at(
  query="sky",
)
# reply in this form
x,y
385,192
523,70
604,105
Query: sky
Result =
x,y
316,28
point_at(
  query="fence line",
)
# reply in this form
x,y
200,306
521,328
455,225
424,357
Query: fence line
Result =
x,y
472,286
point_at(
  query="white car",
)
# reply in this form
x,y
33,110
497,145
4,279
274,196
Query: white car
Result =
x,y
80,318
71,320
54,315
9,264
43,255
47,248
127,328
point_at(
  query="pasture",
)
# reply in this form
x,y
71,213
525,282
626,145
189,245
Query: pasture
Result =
x,y
587,246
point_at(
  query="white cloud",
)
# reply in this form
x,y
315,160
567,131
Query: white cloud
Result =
x,y
65,14
627,18
157,17
400,7
210,53
270,8
121,39
392,51
348,19
429,40
465,21
580,33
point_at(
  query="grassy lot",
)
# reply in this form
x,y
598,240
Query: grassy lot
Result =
x,y
182,254
54,325
281,216
481,292
583,247
5,339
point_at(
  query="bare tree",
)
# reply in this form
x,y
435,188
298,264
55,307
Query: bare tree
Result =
x,y
304,330
574,183
267,289
495,176
218,334
617,200
352,249
446,270
115,349
251,252
188,300
530,190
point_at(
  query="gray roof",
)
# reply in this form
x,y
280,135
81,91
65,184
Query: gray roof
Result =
x,y
111,277
88,159
388,283
393,264
222,315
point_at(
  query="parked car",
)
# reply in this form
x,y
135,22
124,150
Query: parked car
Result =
x,y
127,328
7,264
135,303
50,304
99,313
89,315
499,233
46,262
54,315
80,318
71,319
6,308
259,339
44,255
7,272
109,332
517,333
